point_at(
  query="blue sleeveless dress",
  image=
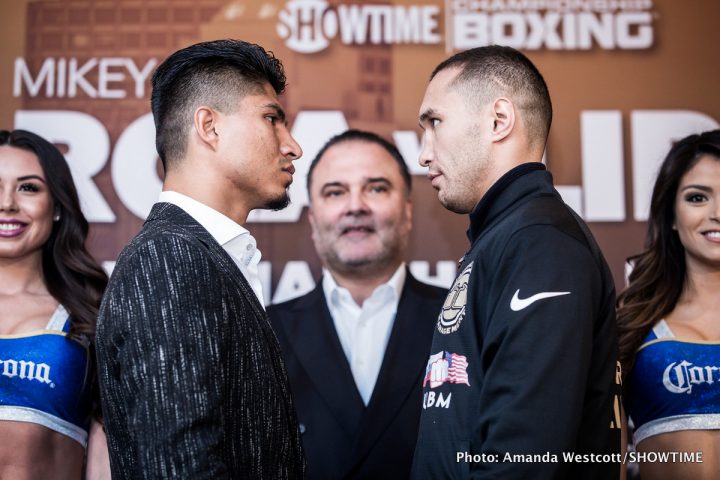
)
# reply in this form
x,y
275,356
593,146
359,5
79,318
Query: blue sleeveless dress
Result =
x,y
45,379
674,385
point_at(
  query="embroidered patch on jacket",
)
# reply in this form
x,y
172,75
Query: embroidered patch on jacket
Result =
x,y
453,310
446,367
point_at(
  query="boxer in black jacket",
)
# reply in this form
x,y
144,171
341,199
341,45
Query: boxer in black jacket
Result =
x,y
521,382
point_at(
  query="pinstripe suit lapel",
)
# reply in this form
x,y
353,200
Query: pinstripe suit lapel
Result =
x,y
167,212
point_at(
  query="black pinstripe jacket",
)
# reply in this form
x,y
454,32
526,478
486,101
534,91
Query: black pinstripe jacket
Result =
x,y
191,377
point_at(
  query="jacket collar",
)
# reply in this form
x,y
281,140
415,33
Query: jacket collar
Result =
x,y
316,345
318,349
516,184
403,366
173,215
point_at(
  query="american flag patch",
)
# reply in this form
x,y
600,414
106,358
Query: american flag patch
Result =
x,y
446,367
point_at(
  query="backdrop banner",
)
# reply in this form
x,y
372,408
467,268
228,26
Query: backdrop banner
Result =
x,y
627,78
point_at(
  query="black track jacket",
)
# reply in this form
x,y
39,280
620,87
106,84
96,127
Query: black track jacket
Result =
x,y
524,354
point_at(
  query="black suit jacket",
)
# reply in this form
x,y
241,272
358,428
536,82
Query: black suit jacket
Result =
x,y
191,377
342,438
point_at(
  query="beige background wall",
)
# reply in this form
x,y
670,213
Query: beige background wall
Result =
x,y
377,87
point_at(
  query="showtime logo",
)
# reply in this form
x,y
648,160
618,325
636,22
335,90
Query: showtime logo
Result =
x,y
307,26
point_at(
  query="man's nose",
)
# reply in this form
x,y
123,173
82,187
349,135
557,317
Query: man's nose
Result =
x,y
356,203
427,153
289,147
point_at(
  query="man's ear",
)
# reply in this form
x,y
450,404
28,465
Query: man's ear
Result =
x,y
311,220
204,121
409,211
503,113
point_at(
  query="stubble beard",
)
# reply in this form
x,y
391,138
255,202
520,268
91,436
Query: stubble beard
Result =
x,y
347,264
460,195
278,203
365,265
455,205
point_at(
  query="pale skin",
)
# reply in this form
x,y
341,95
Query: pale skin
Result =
x,y
25,308
360,215
467,147
694,319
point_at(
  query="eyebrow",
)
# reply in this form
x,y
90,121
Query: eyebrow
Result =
x,y
31,177
278,111
332,184
344,185
378,180
704,188
430,112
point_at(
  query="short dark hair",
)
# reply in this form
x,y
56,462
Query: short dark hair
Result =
x,y
491,70
214,73
368,137
71,274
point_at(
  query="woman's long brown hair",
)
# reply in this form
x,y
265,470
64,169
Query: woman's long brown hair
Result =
x,y
658,275
72,276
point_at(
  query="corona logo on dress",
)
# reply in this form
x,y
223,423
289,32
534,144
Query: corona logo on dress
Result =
x,y
446,367
453,310
680,377
26,370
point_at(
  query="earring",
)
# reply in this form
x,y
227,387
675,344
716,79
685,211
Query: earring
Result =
x,y
56,218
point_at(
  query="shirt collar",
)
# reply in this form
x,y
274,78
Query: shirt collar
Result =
x,y
222,228
395,285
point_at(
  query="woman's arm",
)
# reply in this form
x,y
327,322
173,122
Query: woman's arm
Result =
x,y
97,466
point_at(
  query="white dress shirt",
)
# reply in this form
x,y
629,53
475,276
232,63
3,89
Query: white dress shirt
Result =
x,y
232,237
364,331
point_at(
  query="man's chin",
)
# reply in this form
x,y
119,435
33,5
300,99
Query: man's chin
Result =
x,y
357,261
278,203
361,257
452,204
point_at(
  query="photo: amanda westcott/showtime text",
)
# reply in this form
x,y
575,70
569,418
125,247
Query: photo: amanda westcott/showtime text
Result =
x,y
571,457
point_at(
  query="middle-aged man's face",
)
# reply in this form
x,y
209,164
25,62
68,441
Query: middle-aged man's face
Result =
x,y
257,152
455,146
360,213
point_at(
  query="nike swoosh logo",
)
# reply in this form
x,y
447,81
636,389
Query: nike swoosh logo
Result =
x,y
517,303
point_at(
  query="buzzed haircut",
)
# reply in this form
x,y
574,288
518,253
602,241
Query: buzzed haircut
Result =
x,y
491,71
367,137
217,74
